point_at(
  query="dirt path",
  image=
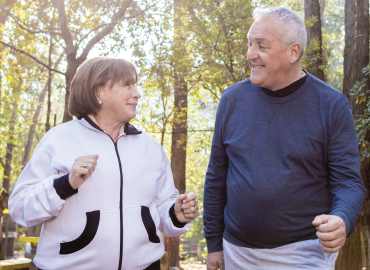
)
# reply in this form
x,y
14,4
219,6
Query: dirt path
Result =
x,y
192,266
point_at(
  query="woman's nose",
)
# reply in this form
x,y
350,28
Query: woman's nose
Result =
x,y
137,94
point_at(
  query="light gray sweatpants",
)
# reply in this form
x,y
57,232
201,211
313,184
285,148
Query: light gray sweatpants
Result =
x,y
300,255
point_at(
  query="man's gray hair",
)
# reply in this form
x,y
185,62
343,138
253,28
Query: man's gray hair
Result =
x,y
294,28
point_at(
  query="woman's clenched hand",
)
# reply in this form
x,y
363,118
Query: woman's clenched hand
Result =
x,y
82,168
186,207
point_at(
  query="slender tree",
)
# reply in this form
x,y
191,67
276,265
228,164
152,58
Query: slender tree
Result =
x,y
355,253
47,124
180,117
313,17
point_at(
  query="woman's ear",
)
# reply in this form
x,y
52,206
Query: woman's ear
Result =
x,y
295,52
98,95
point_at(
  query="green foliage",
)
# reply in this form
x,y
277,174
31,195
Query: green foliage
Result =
x,y
362,122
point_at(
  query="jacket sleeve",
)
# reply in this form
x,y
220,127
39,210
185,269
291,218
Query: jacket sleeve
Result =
x,y
215,196
34,198
166,197
344,171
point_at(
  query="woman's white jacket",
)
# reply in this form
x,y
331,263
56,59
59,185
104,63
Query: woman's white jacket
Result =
x,y
116,218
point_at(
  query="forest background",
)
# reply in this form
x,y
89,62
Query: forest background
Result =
x,y
187,53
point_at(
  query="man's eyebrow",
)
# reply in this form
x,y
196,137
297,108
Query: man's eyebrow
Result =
x,y
262,39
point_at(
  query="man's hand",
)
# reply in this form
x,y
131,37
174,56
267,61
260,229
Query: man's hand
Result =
x,y
215,261
331,231
186,207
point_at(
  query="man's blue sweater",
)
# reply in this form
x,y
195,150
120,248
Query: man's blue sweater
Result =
x,y
276,163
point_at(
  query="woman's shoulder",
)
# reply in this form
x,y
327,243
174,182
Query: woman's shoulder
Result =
x,y
59,132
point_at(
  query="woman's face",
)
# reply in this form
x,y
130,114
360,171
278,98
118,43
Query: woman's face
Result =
x,y
119,102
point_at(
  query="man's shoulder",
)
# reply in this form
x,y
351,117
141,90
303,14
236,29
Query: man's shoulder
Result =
x,y
326,92
237,89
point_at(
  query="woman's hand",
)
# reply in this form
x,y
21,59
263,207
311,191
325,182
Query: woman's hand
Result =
x,y
82,168
186,207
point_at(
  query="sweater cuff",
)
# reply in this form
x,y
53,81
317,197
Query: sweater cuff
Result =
x,y
214,244
63,187
174,219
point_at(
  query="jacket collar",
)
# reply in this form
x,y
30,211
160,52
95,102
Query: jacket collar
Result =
x,y
128,128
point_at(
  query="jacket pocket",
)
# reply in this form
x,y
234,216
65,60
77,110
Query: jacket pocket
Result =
x,y
149,225
88,234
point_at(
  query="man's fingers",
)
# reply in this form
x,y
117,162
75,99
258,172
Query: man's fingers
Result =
x,y
330,226
329,236
331,244
320,220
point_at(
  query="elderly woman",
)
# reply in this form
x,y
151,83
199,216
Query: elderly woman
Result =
x,y
103,188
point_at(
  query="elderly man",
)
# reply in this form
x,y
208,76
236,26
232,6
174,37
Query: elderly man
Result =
x,y
283,187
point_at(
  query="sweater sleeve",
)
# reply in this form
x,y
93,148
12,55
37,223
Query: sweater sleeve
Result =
x,y
34,198
215,197
344,171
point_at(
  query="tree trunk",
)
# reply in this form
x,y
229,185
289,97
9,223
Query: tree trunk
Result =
x,y
179,127
47,124
355,253
9,149
35,119
314,38
71,71
7,172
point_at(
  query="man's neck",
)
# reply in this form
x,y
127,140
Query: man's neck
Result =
x,y
292,76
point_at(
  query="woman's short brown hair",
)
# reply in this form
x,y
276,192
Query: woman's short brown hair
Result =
x,y
93,74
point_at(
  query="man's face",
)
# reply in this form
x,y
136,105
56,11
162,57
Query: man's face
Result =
x,y
268,59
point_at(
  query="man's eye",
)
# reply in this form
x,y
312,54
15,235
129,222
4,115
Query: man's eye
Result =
x,y
262,47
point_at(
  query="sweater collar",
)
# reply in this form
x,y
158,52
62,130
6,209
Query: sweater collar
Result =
x,y
291,97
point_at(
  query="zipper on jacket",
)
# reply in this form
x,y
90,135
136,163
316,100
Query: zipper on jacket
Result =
x,y
128,130
120,207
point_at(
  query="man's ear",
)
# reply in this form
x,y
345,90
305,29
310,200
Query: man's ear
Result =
x,y
295,51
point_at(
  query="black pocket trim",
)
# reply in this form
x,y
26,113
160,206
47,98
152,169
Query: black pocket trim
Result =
x,y
149,225
88,234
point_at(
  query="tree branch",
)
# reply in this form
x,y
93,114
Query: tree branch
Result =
x,y
121,19
32,57
66,33
106,30
19,23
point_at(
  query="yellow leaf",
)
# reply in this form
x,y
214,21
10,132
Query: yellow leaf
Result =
x,y
363,144
5,211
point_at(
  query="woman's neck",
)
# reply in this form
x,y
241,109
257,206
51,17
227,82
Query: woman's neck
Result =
x,y
111,127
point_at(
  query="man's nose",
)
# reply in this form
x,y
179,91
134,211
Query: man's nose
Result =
x,y
252,53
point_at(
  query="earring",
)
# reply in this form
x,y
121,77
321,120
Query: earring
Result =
x,y
99,101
